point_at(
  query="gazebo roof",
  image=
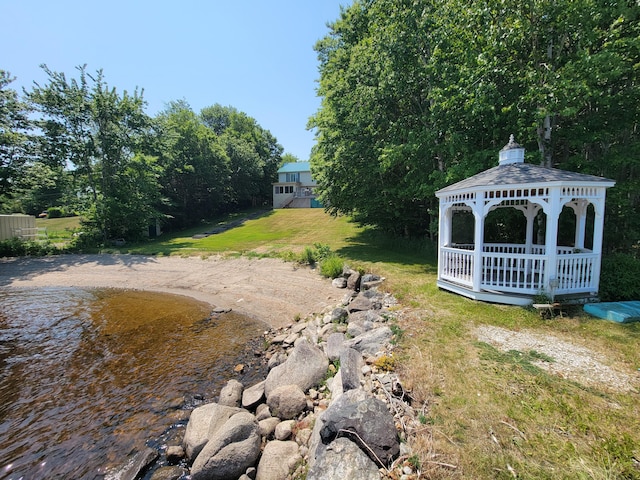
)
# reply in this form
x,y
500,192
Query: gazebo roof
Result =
x,y
523,174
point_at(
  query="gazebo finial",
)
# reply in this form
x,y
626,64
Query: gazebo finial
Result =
x,y
512,143
512,152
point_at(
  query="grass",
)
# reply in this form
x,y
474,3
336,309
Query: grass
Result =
x,y
274,233
483,413
59,230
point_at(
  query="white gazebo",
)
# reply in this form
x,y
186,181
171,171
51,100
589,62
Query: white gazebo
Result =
x,y
513,273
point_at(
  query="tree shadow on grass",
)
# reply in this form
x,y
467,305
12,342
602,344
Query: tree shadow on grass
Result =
x,y
371,245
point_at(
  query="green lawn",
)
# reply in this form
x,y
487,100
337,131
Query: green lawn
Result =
x,y
59,230
486,414
271,233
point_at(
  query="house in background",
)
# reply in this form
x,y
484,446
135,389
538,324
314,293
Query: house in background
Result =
x,y
295,188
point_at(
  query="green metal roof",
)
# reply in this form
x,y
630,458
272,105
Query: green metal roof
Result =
x,y
295,167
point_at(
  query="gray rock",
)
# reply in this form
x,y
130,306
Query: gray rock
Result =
x,y
306,367
251,473
231,450
371,423
372,341
339,282
276,359
360,303
335,386
287,401
202,418
137,464
341,460
279,338
284,429
339,315
169,473
262,412
278,460
353,281
252,396
299,327
351,363
370,277
267,426
231,394
365,316
334,346
358,327
174,454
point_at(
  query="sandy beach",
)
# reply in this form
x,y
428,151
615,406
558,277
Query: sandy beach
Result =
x,y
265,289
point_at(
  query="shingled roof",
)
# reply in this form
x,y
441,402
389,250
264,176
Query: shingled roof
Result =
x,y
523,174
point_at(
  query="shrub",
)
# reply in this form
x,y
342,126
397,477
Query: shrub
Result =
x,y
54,212
331,267
308,256
19,248
619,278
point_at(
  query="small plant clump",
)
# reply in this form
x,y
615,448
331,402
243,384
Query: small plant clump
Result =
x,y
385,363
332,267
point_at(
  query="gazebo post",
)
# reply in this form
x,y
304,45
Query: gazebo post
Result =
x,y
478,244
444,232
598,233
551,240
580,210
530,212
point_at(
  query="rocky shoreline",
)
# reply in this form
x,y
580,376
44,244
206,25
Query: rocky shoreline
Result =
x,y
330,406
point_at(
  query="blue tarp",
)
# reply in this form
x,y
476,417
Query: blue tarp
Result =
x,y
621,312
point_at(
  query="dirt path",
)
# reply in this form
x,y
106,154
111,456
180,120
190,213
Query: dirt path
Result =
x,y
569,360
265,289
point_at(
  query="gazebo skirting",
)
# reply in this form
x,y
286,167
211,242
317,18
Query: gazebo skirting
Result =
x,y
511,274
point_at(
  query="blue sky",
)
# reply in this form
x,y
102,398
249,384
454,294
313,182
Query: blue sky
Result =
x,y
254,55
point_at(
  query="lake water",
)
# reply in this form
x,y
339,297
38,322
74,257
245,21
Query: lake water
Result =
x,y
87,377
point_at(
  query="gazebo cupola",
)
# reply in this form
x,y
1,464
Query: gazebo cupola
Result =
x,y
544,259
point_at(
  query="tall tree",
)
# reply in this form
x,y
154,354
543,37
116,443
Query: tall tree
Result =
x,y
196,167
98,133
419,94
254,152
14,142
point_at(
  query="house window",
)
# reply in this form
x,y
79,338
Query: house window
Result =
x,y
293,177
283,189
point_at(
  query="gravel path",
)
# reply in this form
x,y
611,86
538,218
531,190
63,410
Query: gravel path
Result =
x,y
569,360
266,289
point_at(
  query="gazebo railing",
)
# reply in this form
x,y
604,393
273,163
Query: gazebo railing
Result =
x,y
456,265
516,273
506,268
575,272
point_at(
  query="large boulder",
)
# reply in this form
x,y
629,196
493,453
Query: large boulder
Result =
x,y
233,448
341,460
306,367
360,303
231,393
278,460
334,346
371,342
287,401
351,363
203,419
370,422
316,447
252,396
